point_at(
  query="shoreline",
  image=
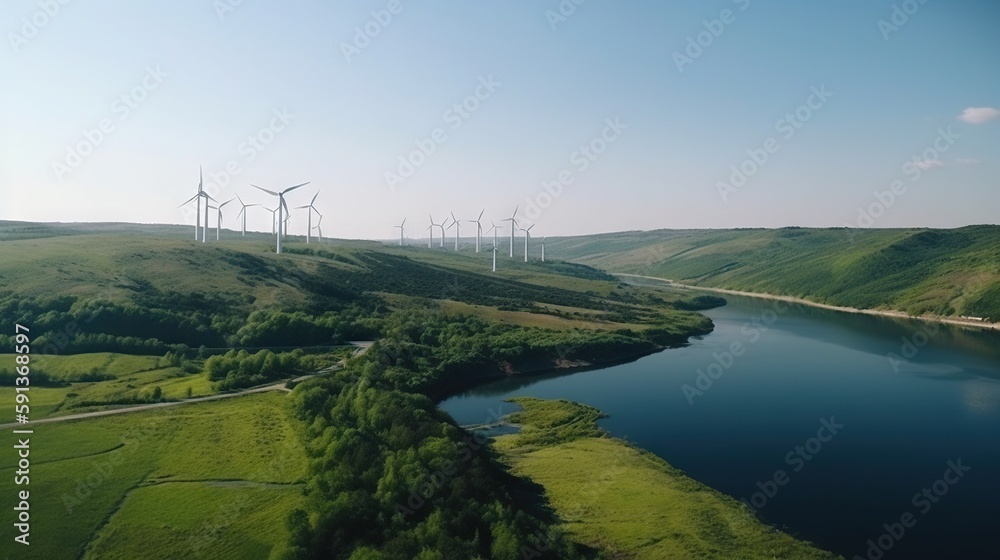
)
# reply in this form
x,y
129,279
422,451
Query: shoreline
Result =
x,y
792,299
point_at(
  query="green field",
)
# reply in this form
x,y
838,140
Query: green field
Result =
x,y
628,502
96,381
919,271
90,479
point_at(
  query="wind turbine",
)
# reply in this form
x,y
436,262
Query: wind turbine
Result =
x,y
430,228
218,219
318,227
479,227
243,213
494,230
400,226
513,226
441,225
274,220
458,228
198,196
543,249
311,208
281,206
527,236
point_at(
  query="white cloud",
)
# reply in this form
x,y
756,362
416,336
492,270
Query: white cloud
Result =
x,y
978,115
928,163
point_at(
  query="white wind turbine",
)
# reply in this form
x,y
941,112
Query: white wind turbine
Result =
x,y
319,228
479,227
198,196
441,225
243,213
218,219
527,236
282,206
458,228
430,238
494,229
274,220
400,226
513,226
311,209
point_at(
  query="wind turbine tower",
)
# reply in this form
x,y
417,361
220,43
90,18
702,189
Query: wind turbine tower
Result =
x,y
527,236
458,228
319,228
310,209
400,226
198,196
479,227
218,219
243,214
282,207
513,225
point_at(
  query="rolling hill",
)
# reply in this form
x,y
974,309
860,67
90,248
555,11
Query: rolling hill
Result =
x,y
954,272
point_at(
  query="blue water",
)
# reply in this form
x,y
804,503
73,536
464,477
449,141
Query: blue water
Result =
x,y
906,411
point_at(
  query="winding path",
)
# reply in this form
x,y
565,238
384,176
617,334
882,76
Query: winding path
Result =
x,y
362,347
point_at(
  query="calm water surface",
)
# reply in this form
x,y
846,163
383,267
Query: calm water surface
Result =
x,y
910,396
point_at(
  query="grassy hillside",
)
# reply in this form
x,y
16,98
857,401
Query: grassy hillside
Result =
x,y
919,271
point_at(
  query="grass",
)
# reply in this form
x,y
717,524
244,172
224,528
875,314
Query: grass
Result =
x,y
130,378
627,501
82,472
197,520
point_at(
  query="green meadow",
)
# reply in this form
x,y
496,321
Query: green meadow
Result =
x,y
228,468
628,502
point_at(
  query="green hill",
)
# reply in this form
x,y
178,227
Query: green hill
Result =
x,y
919,271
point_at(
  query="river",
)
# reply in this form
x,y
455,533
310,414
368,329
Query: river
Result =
x,y
870,436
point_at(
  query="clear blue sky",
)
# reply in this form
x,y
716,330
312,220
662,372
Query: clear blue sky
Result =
x,y
209,78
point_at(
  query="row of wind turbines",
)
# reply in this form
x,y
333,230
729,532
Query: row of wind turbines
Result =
x,y
280,215
494,229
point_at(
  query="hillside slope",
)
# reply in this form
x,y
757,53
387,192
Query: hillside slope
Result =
x,y
919,271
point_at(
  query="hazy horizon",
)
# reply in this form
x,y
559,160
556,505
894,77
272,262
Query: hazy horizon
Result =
x,y
827,108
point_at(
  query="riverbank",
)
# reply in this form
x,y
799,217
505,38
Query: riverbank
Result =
x,y
790,299
627,501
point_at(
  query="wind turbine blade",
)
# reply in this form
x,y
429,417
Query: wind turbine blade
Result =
x,y
403,224
201,178
263,189
240,199
226,202
481,215
314,199
290,189
515,211
188,201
